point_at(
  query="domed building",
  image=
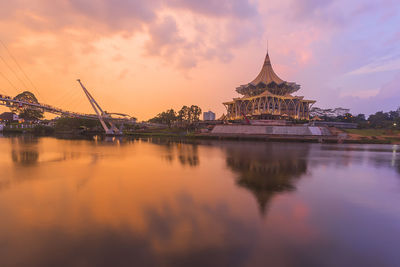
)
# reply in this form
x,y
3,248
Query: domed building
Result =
x,y
268,97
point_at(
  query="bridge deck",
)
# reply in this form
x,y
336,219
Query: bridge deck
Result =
x,y
9,102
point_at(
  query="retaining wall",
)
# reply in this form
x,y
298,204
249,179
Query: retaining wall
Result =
x,y
271,130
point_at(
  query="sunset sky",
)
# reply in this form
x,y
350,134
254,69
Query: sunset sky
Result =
x,y
143,57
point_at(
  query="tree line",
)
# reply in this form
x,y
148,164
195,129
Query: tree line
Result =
x,y
186,116
379,120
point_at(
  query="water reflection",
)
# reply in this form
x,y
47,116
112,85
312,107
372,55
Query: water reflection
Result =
x,y
266,169
32,156
153,202
25,157
379,156
24,150
185,152
391,159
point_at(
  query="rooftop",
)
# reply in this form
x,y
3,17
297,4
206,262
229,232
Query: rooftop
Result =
x,y
267,79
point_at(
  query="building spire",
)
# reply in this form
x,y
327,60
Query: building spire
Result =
x,y
267,61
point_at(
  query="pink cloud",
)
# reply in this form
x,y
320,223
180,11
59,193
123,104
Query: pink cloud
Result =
x,y
311,42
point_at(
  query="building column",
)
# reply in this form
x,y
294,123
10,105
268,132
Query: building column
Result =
x,y
263,104
279,106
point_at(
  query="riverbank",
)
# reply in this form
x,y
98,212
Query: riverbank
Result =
x,y
349,136
300,139
375,136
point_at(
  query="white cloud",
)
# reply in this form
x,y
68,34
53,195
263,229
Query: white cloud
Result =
x,y
378,65
361,93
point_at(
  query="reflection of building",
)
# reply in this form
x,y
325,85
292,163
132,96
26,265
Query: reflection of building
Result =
x,y
209,116
267,169
25,157
268,96
25,150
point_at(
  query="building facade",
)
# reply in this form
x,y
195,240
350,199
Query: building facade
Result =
x,y
9,117
268,97
209,116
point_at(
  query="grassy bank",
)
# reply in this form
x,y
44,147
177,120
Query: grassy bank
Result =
x,y
373,132
374,136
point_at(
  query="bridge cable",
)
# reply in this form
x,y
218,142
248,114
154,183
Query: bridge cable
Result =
x,y
12,85
20,68
77,103
4,93
2,90
65,97
68,97
73,99
15,74
62,98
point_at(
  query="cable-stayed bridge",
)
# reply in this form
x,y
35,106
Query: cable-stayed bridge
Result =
x,y
106,119
108,122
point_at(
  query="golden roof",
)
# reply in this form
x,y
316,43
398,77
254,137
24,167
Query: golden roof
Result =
x,y
267,80
267,74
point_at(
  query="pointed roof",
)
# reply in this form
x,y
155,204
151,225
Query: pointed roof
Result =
x,y
265,79
267,74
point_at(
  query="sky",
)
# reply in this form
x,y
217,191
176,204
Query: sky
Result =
x,y
143,57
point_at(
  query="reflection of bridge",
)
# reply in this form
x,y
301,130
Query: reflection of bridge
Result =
x,y
104,117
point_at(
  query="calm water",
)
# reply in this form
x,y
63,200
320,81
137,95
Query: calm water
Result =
x,y
159,202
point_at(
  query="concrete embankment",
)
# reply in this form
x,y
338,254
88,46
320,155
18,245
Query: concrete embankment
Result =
x,y
271,130
299,133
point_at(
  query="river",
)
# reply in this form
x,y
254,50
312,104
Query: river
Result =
x,y
160,202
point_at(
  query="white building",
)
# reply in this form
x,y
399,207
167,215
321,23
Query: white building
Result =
x,y
209,116
9,117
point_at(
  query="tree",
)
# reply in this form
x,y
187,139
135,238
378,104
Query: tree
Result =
x,y
393,115
195,113
168,117
189,115
361,121
360,118
184,114
379,120
67,124
27,112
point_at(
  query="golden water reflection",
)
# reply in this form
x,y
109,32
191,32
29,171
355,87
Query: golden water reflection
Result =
x,y
152,202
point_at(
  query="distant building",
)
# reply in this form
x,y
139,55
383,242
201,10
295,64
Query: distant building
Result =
x,y
209,116
9,117
332,113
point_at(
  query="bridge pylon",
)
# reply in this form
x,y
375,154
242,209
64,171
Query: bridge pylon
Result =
x,y
102,115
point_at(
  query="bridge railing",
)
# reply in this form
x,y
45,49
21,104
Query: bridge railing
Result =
x,y
7,100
